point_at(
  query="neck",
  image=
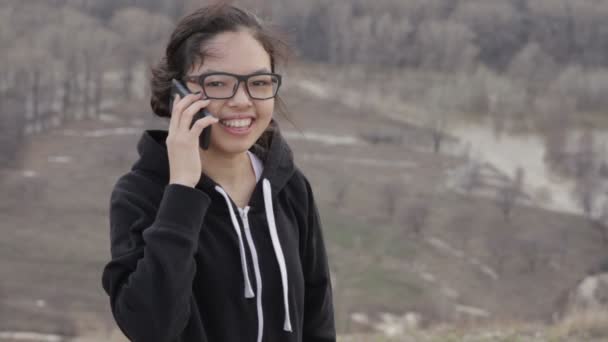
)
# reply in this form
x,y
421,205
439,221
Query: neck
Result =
x,y
228,170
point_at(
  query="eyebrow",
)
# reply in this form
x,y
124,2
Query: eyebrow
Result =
x,y
254,72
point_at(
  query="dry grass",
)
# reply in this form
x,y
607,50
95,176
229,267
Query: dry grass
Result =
x,y
584,325
589,326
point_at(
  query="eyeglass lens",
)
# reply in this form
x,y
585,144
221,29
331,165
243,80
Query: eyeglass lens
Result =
x,y
224,86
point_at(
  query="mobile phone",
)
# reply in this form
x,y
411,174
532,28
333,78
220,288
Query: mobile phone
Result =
x,y
178,87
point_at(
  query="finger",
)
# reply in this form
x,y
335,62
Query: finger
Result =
x,y
203,123
186,118
181,105
174,120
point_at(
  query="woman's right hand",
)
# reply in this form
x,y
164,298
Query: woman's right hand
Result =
x,y
183,143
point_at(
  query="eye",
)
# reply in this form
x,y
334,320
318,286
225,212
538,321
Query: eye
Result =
x,y
214,84
260,83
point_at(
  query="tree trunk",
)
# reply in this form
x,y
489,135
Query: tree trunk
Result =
x,y
65,98
127,79
98,92
87,87
36,100
68,87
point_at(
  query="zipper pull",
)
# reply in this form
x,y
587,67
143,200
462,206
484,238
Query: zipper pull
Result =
x,y
243,213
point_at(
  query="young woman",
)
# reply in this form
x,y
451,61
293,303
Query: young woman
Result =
x,y
221,244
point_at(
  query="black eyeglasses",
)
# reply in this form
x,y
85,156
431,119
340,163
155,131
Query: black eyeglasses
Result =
x,y
223,85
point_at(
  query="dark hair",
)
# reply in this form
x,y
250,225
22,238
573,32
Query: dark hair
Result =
x,y
186,47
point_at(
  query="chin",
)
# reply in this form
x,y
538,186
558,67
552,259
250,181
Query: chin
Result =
x,y
229,144
233,146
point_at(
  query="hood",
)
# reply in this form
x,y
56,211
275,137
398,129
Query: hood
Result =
x,y
277,158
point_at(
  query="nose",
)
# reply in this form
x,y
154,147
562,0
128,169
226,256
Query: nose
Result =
x,y
241,97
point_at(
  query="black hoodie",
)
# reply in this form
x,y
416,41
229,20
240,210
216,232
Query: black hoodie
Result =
x,y
188,265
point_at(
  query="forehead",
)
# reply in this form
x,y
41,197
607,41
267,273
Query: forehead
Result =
x,y
235,52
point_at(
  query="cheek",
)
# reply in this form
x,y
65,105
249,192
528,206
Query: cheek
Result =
x,y
265,110
214,107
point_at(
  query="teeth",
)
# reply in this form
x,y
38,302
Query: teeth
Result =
x,y
237,123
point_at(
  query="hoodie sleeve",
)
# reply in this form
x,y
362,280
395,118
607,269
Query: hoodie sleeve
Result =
x,y
149,278
319,325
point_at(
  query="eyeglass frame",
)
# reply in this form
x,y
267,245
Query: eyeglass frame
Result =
x,y
199,79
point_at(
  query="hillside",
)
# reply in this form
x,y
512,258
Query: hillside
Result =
x,y
401,238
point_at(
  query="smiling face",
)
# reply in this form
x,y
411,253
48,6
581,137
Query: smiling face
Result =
x,y
242,119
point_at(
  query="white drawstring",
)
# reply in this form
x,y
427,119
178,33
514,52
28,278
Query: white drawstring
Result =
x,y
278,251
276,244
256,271
248,290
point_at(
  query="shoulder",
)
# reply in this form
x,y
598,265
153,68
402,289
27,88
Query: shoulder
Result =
x,y
299,182
134,202
139,182
299,189
136,191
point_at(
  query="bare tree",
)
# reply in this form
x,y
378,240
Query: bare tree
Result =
x,y
356,37
601,223
416,217
4,313
552,17
106,42
96,57
587,192
556,113
584,158
29,56
533,67
66,43
31,78
587,20
471,177
463,227
498,28
438,105
392,194
340,188
603,170
531,253
143,34
510,192
391,34
67,87
72,42
12,123
437,133
500,247
87,60
446,46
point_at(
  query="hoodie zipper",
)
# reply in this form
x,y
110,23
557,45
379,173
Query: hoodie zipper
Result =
x,y
256,268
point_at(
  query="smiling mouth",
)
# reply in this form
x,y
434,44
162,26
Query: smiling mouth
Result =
x,y
237,123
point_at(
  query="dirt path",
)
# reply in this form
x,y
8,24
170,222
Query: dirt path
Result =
x,y
55,231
